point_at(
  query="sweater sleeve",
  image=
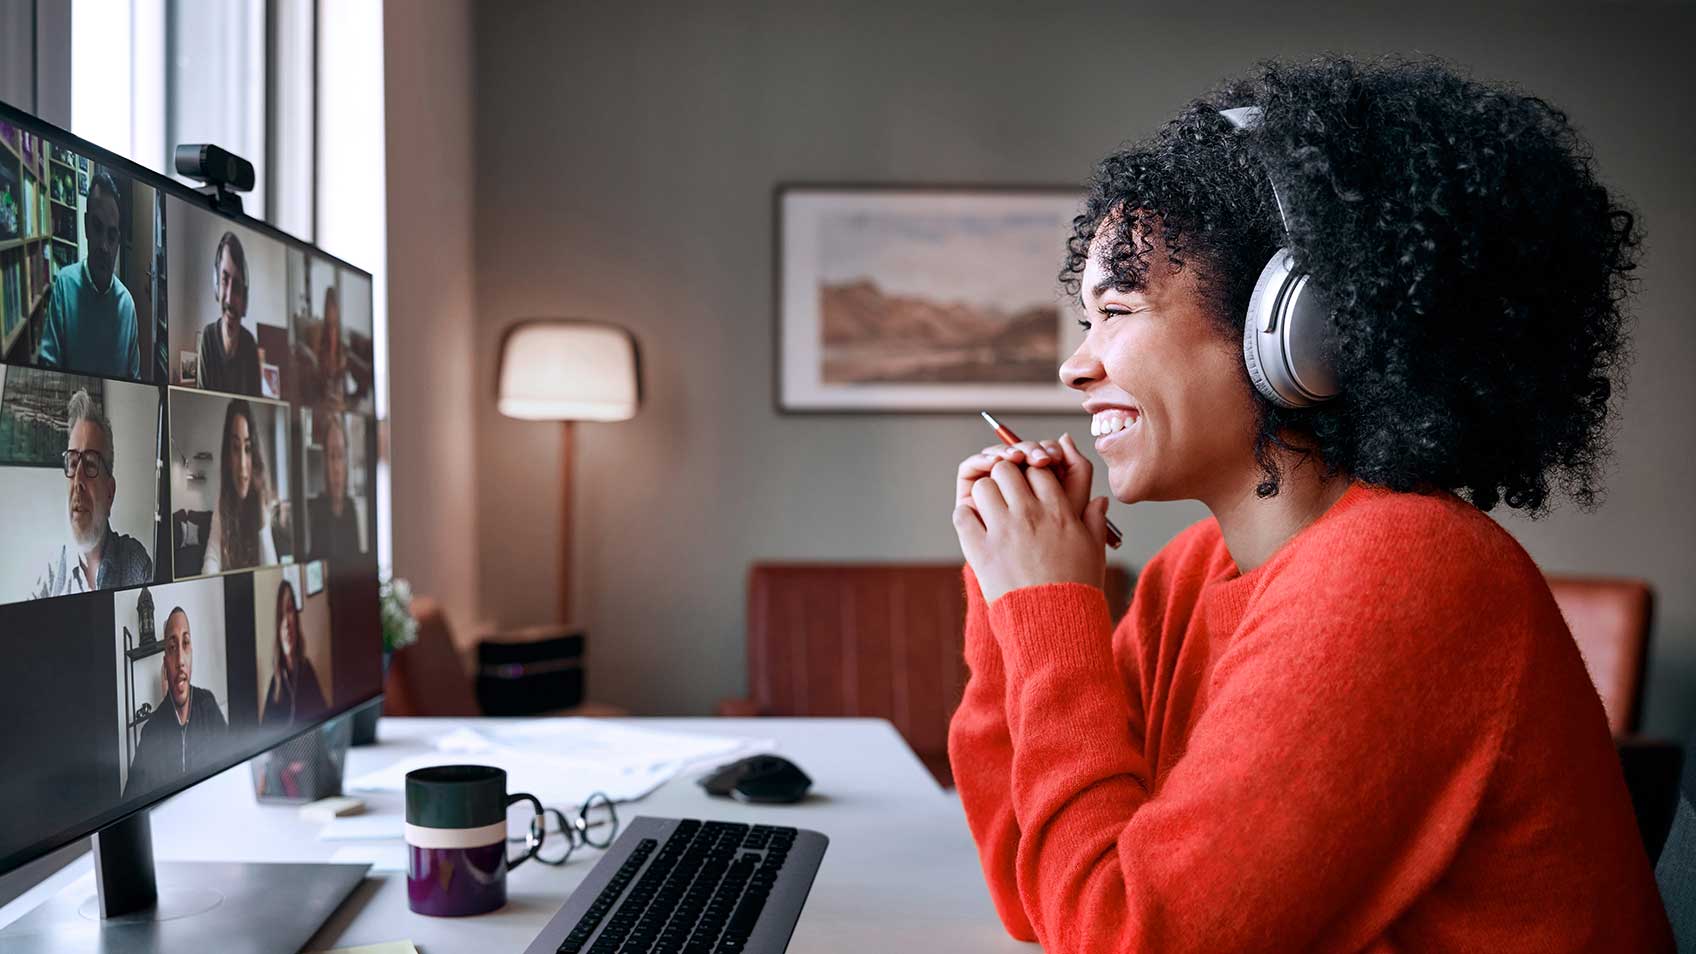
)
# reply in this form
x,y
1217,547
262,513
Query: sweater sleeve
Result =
x,y
1352,722
132,356
981,755
52,353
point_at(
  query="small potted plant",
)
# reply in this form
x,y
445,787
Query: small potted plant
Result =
x,y
399,626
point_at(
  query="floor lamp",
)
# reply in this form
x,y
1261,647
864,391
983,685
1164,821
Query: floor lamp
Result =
x,y
562,369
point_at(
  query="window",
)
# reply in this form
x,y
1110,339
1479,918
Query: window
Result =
x,y
297,93
215,81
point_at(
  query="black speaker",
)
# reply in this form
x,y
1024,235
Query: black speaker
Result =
x,y
529,678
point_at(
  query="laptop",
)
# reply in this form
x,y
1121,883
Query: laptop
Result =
x,y
686,885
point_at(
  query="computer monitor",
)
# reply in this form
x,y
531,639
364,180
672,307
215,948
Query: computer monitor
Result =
x,y
188,546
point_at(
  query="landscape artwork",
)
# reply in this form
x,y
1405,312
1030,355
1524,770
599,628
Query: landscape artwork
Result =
x,y
927,300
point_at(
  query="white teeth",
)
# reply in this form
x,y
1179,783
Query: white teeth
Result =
x,y
1109,421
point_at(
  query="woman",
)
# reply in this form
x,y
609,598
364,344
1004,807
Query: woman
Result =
x,y
240,532
331,358
330,517
294,693
1343,713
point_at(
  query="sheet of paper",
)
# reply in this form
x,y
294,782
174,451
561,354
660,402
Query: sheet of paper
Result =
x,y
564,761
380,855
364,828
393,947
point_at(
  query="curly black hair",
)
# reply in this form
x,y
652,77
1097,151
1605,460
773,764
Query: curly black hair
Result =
x,y
1476,267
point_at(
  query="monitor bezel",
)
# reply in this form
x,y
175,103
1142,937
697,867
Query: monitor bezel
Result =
x,y
165,185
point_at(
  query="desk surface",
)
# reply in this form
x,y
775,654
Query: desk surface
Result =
x,y
901,872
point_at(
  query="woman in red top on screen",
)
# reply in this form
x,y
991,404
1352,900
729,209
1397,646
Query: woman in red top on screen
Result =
x,y
1343,713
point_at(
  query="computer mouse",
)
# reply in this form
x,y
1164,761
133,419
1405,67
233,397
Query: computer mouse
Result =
x,y
759,778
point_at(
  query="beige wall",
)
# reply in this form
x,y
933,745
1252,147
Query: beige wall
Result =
x,y
431,163
625,164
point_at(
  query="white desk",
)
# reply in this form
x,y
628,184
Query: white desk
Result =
x,y
901,872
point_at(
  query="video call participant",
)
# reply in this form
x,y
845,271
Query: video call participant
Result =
x,y
294,692
186,731
240,532
90,315
229,355
97,557
330,517
324,380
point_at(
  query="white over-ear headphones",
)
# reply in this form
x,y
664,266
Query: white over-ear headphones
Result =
x,y
1284,330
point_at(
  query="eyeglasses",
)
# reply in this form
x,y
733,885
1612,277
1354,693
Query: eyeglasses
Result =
x,y
595,826
91,463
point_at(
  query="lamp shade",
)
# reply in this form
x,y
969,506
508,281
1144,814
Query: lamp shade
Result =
x,y
569,370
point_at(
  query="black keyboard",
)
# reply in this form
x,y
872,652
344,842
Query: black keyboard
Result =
x,y
683,885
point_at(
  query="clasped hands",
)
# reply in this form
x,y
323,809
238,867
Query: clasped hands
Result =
x,y
1025,517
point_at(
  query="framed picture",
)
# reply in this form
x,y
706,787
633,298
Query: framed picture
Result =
x,y
34,424
899,299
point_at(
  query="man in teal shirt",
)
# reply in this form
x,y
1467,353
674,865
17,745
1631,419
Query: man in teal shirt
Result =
x,y
91,317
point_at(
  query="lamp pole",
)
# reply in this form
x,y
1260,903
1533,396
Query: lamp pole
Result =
x,y
566,461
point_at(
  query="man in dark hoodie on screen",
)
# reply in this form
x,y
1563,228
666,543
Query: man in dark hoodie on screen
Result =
x,y
187,730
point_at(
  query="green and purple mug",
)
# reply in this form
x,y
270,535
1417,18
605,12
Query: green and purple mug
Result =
x,y
456,839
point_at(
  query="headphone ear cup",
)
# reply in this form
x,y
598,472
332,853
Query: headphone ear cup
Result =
x,y
1284,332
1268,288
1252,338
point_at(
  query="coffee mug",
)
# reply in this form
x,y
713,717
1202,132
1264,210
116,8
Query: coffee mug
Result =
x,y
456,839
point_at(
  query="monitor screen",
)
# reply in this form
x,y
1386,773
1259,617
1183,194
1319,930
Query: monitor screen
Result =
x,y
188,558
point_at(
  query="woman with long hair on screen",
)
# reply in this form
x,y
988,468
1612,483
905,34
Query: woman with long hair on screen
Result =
x,y
1343,713
294,692
331,355
240,532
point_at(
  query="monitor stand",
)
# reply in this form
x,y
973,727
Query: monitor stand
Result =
x,y
140,908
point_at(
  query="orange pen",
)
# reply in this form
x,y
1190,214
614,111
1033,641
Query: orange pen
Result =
x,y
1114,537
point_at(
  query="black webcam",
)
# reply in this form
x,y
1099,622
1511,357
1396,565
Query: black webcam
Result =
x,y
224,173
214,166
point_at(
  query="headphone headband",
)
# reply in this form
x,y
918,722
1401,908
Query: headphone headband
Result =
x,y
1285,328
1247,118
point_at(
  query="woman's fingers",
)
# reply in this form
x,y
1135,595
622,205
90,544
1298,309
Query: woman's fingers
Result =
x,y
1095,520
1050,495
988,499
1014,489
1035,455
969,527
972,470
976,466
1078,474
1042,453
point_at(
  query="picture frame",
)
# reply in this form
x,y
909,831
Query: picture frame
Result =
x,y
33,425
922,299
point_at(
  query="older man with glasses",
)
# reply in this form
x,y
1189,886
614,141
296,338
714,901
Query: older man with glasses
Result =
x,y
97,557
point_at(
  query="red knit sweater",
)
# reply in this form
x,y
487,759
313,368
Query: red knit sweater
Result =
x,y
1383,739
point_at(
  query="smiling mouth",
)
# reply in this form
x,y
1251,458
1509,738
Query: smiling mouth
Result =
x,y
1111,422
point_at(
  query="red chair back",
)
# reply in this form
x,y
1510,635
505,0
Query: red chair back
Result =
x,y
866,640
1610,619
